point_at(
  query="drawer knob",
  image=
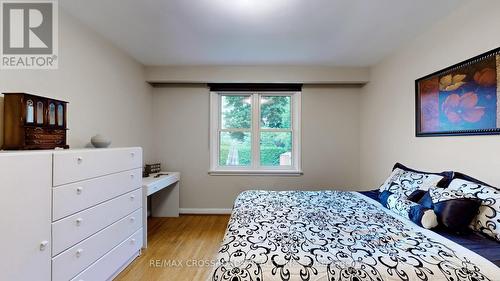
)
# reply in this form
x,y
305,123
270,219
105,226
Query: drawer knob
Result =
x,y
132,197
79,253
132,154
132,219
43,245
132,176
79,190
79,221
79,160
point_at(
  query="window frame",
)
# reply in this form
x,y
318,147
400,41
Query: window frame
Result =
x,y
255,129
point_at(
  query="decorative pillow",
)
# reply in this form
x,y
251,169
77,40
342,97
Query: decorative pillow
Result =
x,y
447,175
487,219
457,214
420,215
383,196
426,200
455,209
406,181
416,195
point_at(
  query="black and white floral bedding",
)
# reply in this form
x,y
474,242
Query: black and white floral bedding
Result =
x,y
335,235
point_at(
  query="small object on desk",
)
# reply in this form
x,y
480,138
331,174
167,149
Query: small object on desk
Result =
x,y
153,168
160,175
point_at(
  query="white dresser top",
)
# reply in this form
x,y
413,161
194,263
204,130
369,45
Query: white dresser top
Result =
x,y
60,150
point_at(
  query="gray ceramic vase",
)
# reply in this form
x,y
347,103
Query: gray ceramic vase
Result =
x,y
99,141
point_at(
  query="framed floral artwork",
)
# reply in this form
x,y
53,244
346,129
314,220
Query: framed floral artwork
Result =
x,y
463,99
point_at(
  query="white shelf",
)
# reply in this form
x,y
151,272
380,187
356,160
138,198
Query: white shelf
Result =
x,y
153,185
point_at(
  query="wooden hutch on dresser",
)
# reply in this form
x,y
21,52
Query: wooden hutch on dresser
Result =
x,y
34,122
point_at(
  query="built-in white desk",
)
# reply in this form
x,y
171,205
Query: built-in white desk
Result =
x,y
163,188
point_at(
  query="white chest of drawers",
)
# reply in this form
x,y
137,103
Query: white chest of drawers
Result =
x,y
73,214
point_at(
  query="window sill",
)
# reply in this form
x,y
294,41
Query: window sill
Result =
x,y
256,173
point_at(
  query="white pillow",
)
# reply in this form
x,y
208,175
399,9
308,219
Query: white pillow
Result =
x,y
406,182
487,220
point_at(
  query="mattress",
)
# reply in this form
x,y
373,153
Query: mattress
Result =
x,y
335,235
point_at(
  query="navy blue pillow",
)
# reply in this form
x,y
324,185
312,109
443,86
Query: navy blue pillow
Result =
x,y
426,200
447,175
383,196
416,195
457,214
416,214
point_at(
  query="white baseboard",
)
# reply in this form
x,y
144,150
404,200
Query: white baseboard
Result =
x,y
205,211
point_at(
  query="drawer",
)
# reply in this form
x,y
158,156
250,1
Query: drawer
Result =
x,y
74,260
114,260
76,165
73,229
43,141
40,136
72,198
38,132
56,135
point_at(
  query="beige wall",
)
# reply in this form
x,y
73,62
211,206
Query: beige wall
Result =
x,y
387,103
330,144
105,87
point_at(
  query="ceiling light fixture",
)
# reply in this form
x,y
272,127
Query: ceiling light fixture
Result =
x,y
250,7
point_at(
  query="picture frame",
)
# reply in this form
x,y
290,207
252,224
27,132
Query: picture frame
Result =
x,y
460,100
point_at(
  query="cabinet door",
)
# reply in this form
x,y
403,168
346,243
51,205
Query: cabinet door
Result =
x,y
25,202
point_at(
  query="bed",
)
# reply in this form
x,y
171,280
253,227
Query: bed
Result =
x,y
336,235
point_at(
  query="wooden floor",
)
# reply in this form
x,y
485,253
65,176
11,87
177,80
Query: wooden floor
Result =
x,y
177,247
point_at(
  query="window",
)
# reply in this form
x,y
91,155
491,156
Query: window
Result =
x,y
39,112
60,115
255,132
52,114
30,112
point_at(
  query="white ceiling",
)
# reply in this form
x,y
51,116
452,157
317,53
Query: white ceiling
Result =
x,y
259,32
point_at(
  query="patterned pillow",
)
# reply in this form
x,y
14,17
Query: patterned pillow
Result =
x,y
406,182
447,175
415,212
487,220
